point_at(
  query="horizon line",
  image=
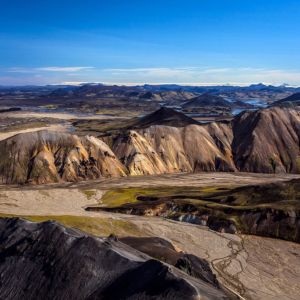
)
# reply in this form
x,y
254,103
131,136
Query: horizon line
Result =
x,y
192,84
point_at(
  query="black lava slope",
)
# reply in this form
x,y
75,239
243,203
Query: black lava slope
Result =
x,y
48,261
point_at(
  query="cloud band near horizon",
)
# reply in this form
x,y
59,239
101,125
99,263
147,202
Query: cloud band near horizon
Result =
x,y
160,75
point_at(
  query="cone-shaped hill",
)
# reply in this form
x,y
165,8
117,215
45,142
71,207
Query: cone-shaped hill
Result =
x,y
164,116
205,100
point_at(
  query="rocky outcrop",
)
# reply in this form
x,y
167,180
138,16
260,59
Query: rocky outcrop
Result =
x,y
163,250
49,261
282,223
270,210
272,223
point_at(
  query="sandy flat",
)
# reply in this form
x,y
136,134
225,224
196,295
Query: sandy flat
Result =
x,y
69,198
180,179
53,127
58,115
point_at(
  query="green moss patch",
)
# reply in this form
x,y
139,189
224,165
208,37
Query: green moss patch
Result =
x,y
89,193
119,197
96,226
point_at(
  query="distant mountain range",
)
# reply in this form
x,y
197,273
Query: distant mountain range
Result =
x,y
91,87
93,98
219,88
211,100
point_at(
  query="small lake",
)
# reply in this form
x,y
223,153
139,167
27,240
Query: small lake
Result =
x,y
256,102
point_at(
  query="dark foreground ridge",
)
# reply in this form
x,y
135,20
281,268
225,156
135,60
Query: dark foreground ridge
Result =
x,y
48,261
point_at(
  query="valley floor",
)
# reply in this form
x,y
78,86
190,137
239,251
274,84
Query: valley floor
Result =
x,y
252,267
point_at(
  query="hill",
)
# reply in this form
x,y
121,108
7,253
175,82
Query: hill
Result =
x,y
293,100
164,116
205,100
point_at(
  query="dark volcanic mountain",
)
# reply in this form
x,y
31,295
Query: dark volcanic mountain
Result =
x,y
293,100
49,261
165,116
207,100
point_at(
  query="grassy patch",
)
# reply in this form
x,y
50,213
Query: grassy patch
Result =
x,y
119,197
49,106
224,202
89,193
96,226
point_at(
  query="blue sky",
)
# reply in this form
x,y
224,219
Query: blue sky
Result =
x,y
129,42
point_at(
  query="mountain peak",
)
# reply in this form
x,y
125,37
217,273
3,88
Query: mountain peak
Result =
x,y
165,116
207,99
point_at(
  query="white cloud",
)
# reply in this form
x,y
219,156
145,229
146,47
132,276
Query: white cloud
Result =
x,y
72,83
64,69
158,75
47,69
19,70
203,76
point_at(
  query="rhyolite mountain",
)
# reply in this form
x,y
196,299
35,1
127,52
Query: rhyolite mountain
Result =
x,y
49,261
264,141
267,139
48,156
